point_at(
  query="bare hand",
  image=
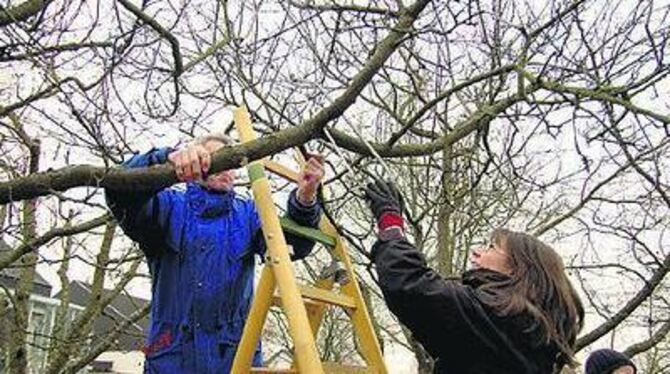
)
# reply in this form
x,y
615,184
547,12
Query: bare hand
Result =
x,y
310,177
191,163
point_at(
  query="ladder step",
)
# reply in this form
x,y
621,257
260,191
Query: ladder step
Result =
x,y
335,368
281,170
329,297
328,367
273,371
307,232
315,294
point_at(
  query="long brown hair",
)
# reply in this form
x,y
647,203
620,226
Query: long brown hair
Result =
x,y
538,287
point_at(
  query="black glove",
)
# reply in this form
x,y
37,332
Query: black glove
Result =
x,y
383,197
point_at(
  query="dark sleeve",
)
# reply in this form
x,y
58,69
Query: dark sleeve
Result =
x,y
444,315
304,215
143,215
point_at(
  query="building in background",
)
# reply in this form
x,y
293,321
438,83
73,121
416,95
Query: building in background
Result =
x,y
124,354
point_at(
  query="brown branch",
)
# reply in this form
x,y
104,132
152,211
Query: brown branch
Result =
x,y
600,94
22,11
107,341
68,47
60,321
647,344
479,119
49,91
627,309
632,162
344,8
444,95
17,343
174,43
533,34
33,244
41,184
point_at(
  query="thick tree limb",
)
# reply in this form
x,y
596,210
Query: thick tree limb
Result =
x,y
41,184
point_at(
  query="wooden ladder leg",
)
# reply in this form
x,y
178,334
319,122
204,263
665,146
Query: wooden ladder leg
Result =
x,y
254,325
278,258
360,317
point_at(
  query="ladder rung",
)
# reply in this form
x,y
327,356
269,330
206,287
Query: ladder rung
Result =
x,y
276,302
327,296
314,294
281,170
274,371
328,367
335,368
307,232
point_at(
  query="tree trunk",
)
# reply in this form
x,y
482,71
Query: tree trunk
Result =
x,y
83,324
18,355
445,242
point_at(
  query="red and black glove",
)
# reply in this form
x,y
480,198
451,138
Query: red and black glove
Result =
x,y
387,205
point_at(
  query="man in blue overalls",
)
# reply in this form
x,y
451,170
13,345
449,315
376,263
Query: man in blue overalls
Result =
x,y
200,245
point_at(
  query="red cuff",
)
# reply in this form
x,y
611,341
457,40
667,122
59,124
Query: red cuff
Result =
x,y
390,219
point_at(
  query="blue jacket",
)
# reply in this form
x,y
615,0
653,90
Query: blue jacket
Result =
x,y
200,248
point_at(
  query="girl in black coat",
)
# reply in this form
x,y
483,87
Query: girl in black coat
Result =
x,y
515,313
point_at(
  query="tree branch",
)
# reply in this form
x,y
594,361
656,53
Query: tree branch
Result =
x,y
627,309
647,344
595,94
107,341
41,184
174,43
478,120
22,11
51,234
344,8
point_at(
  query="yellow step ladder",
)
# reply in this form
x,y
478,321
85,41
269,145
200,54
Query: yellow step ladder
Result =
x,y
304,306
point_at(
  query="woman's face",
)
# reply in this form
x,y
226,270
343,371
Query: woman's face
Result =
x,y
492,257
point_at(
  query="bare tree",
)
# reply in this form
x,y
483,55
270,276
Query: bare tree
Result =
x,y
549,117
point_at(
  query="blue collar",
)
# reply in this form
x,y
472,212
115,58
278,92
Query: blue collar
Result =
x,y
207,203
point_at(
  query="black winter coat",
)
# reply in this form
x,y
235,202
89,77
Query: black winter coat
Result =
x,y
452,322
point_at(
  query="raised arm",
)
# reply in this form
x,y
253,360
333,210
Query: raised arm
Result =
x,y
444,315
303,207
143,215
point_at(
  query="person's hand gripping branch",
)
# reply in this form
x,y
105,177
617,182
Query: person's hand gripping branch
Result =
x,y
387,205
191,163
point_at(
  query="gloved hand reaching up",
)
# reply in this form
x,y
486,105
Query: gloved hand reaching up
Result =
x,y
387,206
